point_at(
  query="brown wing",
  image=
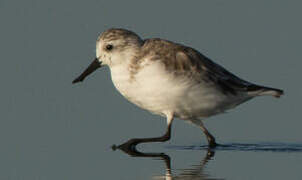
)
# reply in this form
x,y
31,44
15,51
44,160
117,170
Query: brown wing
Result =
x,y
180,59
212,72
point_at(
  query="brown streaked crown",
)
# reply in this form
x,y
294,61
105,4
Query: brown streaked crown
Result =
x,y
124,36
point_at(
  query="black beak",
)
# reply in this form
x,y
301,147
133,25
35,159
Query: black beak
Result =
x,y
92,67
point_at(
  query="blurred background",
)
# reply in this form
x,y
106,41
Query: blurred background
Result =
x,y
51,129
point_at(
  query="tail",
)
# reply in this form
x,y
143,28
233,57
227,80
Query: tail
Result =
x,y
256,90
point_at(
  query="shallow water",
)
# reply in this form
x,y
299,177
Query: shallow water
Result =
x,y
51,129
261,147
244,161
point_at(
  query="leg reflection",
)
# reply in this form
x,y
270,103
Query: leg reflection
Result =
x,y
195,171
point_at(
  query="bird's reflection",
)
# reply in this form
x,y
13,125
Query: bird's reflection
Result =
x,y
194,172
198,171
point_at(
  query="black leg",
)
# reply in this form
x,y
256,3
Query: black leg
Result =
x,y
210,137
132,143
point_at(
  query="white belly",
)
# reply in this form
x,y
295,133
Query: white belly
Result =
x,y
155,90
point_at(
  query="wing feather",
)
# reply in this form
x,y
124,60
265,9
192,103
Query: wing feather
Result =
x,y
212,72
183,60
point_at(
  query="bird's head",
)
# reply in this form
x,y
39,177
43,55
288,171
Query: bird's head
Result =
x,y
113,47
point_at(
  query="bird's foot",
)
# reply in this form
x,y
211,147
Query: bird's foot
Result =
x,y
129,145
213,144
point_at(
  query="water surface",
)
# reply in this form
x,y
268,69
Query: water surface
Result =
x,y
53,130
201,162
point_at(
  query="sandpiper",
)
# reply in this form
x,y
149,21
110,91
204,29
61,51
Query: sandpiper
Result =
x,y
170,80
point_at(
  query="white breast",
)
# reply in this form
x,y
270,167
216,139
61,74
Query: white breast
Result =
x,y
155,90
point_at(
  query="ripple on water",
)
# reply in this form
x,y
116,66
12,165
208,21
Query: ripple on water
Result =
x,y
271,147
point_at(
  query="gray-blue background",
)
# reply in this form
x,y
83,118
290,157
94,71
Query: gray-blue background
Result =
x,y
51,129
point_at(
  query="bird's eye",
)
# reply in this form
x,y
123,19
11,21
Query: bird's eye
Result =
x,y
109,47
